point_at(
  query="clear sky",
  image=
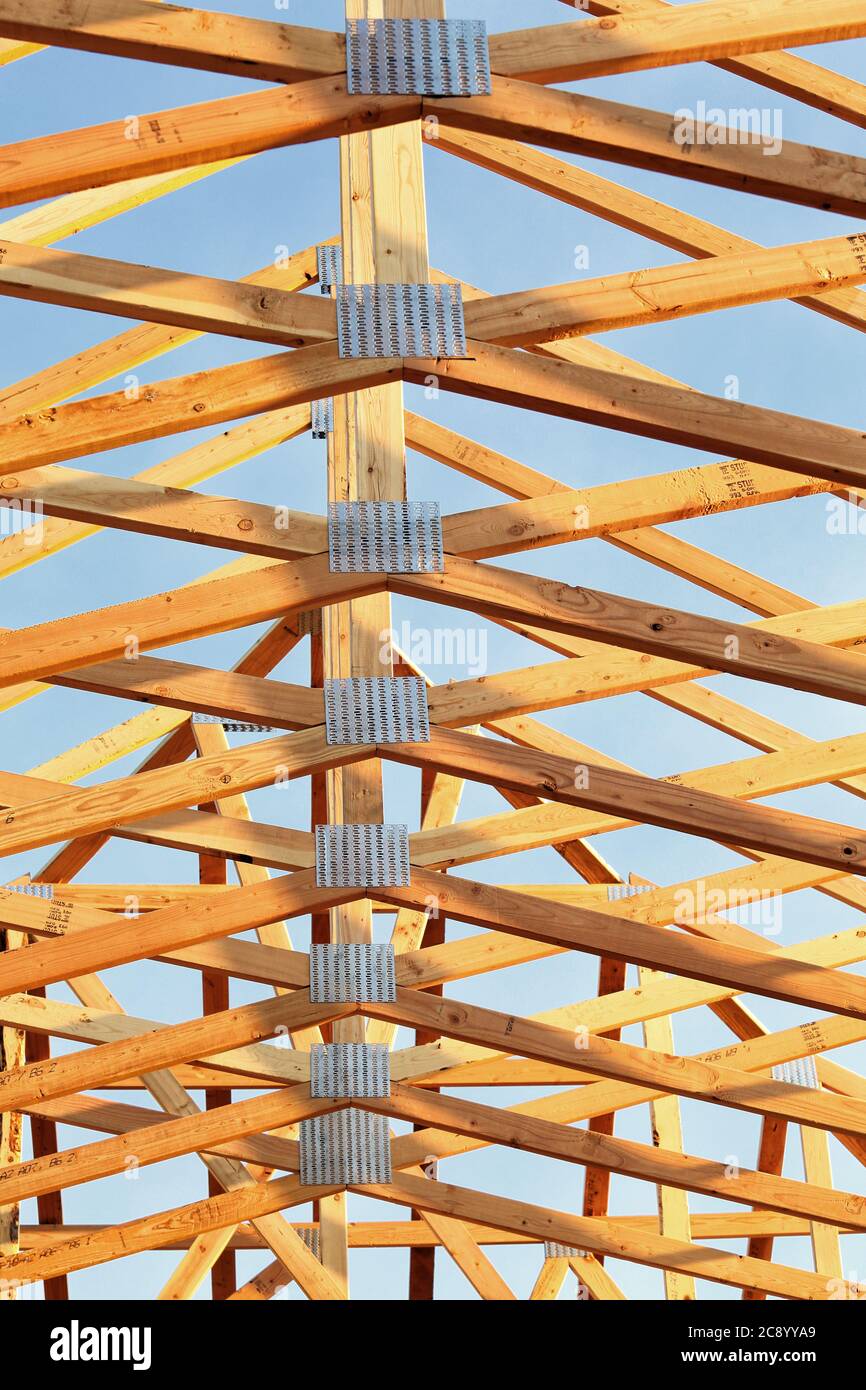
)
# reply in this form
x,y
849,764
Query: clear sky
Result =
x,y
501,237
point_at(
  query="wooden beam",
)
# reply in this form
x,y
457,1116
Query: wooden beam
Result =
x,y
150,1232
12,1056
188,38
151,509
582,929
656,802
714,29
176,927
664,293
184,403
159,141
625,207
143,794
643,1161
781,72
655,411
602,1236
198,302
155,1050
643,139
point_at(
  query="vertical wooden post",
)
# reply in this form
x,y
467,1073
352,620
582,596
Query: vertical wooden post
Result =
x,y
384,235
43,1137
12,1048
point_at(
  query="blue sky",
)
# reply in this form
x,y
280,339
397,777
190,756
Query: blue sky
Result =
x,y
501,237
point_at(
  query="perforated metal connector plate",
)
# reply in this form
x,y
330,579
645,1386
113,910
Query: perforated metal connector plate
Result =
x,y
32,890
329,266
385,538
322,417
362,856
232,726
428,57
400,321
554,1251
354,1070
376,709
347,1147
309,622
801,1072
617,891
310,1236
352,972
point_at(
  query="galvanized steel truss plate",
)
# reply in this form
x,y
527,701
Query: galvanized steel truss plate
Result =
x,y
554,1251
329,266
310,1236
362,856
322,417
427,57
233,726
385,538
376,709
352,972
801,1072
347,1147
617,891
31,890
353,1070
400,321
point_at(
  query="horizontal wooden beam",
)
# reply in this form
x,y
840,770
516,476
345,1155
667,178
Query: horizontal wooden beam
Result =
x,y
391,1235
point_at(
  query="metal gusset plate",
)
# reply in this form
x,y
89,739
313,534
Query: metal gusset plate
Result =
x,y
329,265
356,1070
347,1147
554,1251
352,972
400,321
362,856
617,891
427,57
801,1072
322,417
232,726
385,538
32,890
376,709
